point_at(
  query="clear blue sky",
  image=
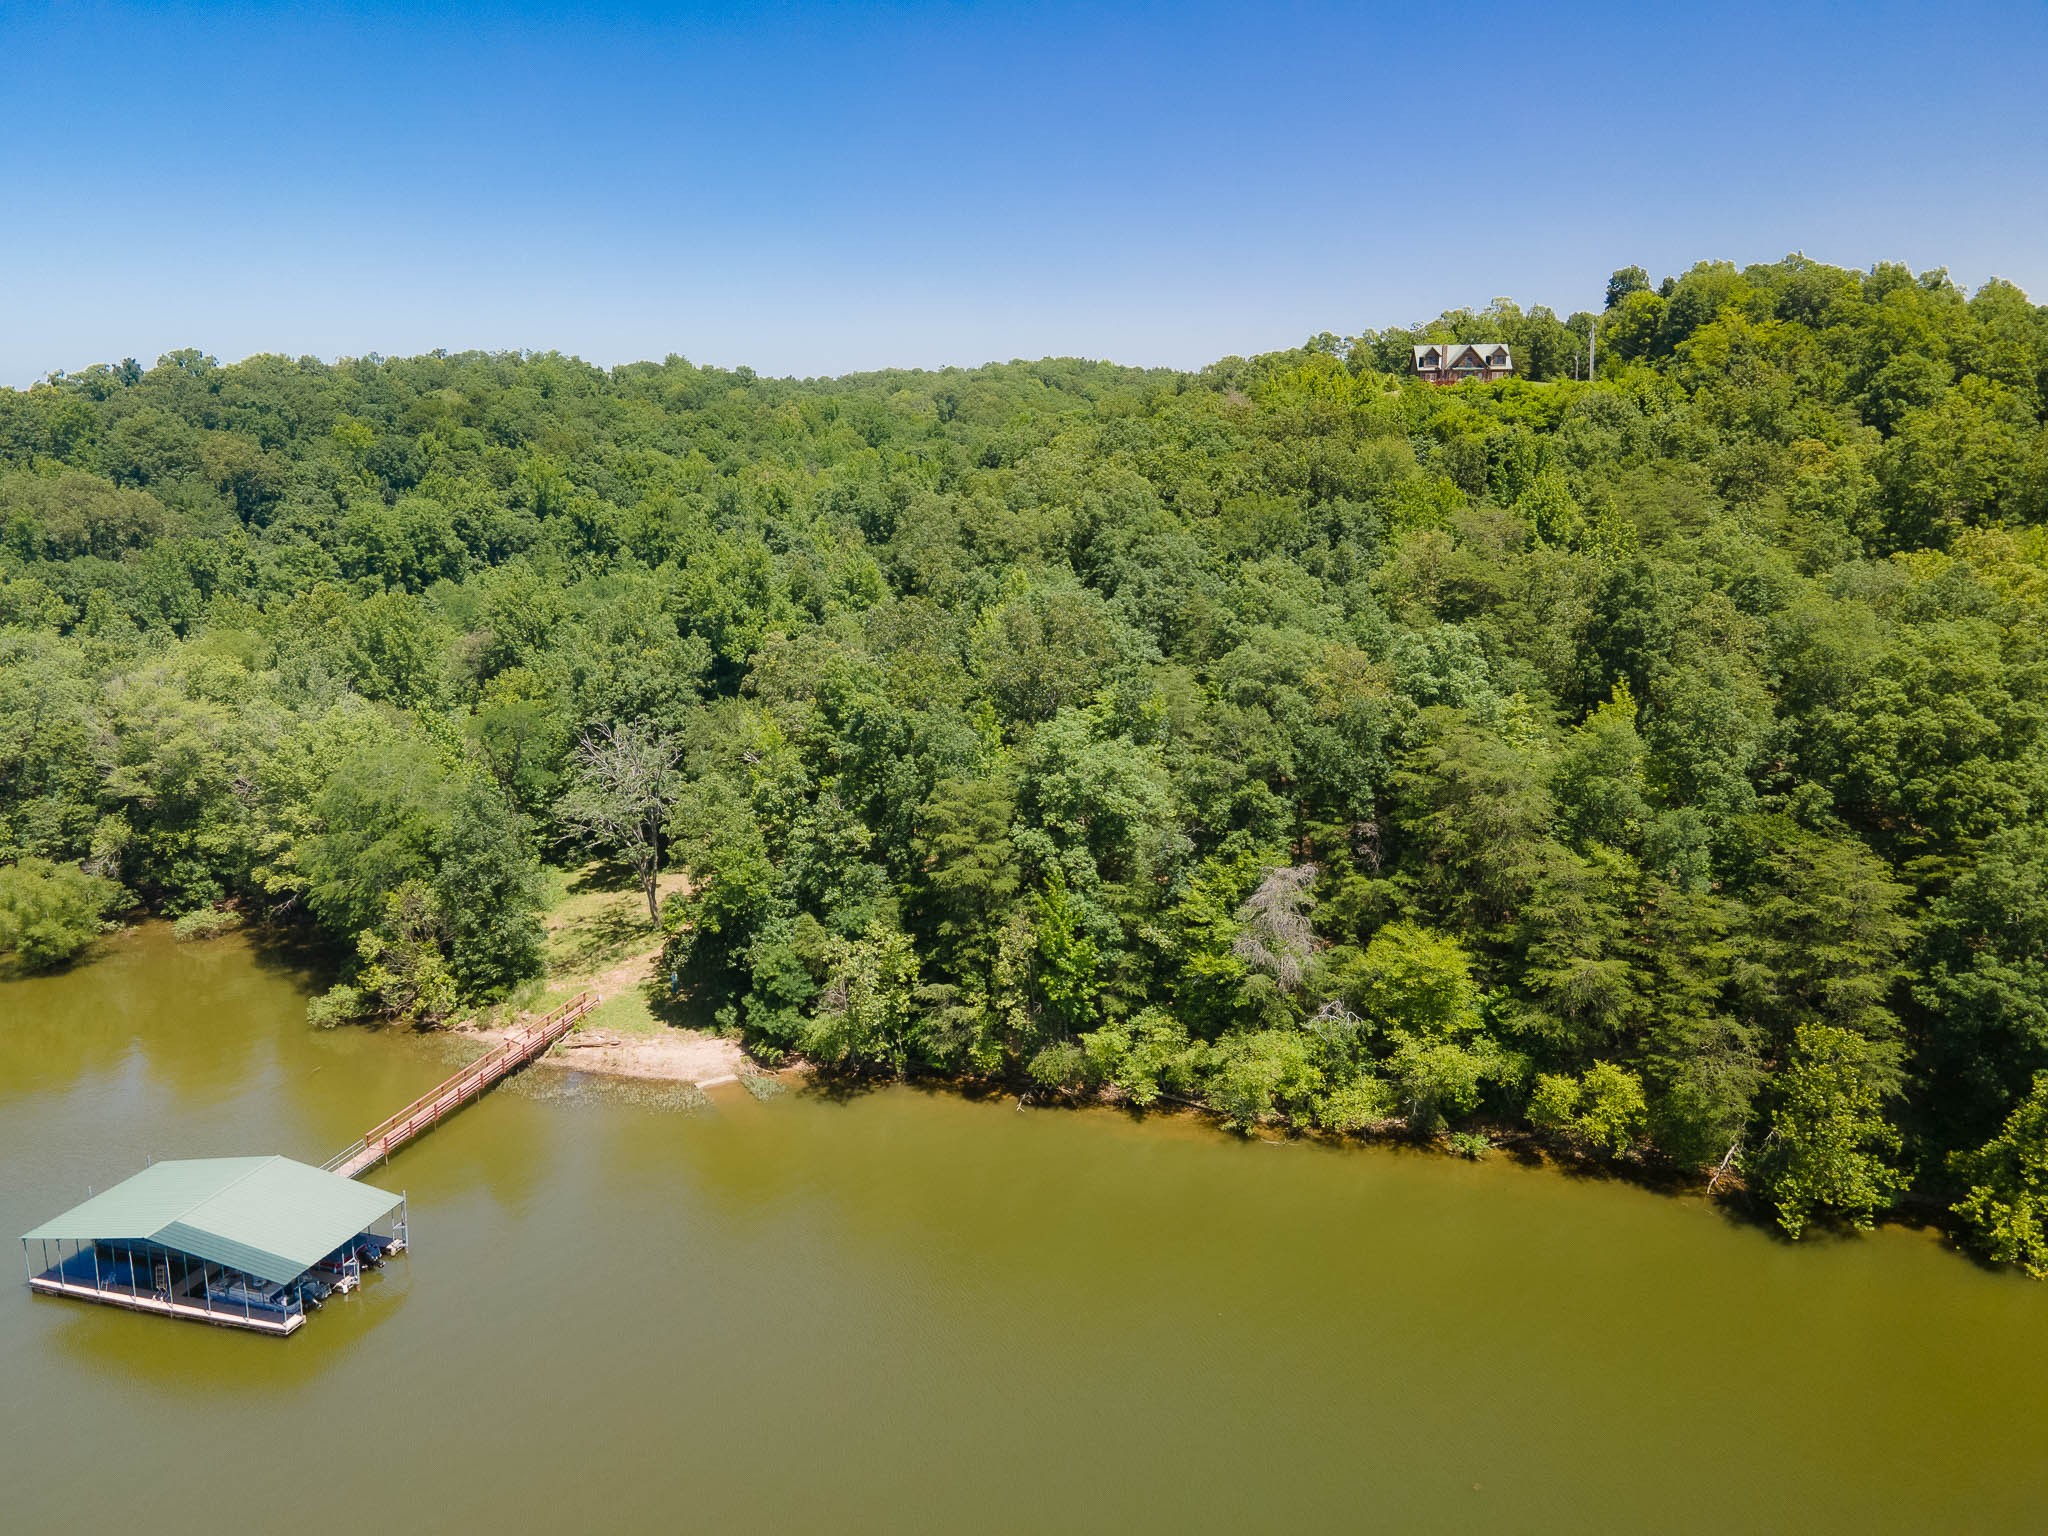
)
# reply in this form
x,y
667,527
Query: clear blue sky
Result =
x,y
817,188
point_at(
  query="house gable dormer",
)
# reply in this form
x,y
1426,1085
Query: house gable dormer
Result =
x,y
1457,362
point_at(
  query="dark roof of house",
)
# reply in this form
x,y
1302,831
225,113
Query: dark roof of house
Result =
x,y
1453,350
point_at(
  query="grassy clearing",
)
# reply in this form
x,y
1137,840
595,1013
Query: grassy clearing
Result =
x,y
595,919
625,1013
598,937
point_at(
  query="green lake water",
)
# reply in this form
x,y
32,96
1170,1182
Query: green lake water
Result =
x,y
906,1310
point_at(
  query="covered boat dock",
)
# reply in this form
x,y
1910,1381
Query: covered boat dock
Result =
x,y
239,1242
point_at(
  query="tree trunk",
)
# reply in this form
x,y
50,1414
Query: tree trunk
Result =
x,y
1726,1163
651,823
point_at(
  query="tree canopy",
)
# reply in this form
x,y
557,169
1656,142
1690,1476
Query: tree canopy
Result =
x,y
1654,760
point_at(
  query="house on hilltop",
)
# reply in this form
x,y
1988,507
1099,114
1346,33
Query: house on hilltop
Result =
x,y
1453,362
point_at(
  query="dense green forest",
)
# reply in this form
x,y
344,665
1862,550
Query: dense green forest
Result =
x,y
1654,763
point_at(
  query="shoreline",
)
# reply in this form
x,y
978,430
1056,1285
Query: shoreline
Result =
x,y
676,1056
681,1056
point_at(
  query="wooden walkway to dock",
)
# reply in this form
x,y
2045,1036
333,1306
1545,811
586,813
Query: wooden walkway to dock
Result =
x,y
427,1111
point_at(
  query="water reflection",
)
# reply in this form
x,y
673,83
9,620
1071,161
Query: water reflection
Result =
x,y
176,1359
64,1028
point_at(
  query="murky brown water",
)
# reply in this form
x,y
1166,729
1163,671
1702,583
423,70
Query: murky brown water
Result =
x,y
907,1311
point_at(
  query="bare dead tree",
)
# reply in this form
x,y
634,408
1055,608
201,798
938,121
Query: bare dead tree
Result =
x,y
1337,1027
1277,937
625,782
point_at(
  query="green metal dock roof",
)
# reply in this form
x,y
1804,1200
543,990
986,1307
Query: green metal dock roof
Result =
x,y
266,1216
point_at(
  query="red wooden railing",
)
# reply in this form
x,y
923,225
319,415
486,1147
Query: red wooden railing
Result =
x,y
427,1111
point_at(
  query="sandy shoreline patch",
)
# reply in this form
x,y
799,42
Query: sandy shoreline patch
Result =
x,y
678,1056
670,1056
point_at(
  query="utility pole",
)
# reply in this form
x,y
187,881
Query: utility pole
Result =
x,y
1592,340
